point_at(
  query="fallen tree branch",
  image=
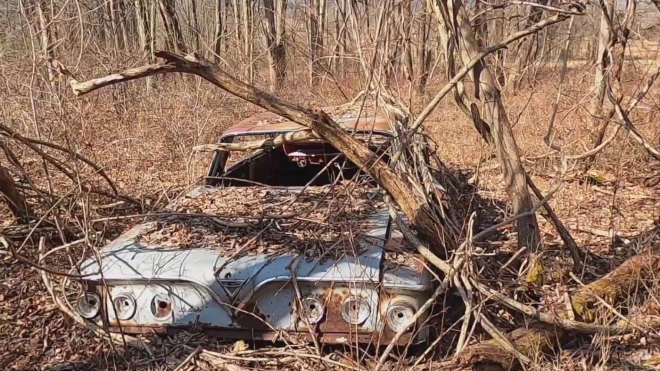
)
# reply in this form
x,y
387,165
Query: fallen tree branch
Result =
x,y
628,125
565,235
14,135
32,264
609,288
269,143
419,213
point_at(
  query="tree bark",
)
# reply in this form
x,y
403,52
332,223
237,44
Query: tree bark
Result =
x,y
112,14
123,15
144,34
46,40
218,31
14,199
275,40
602,64
196,31
173,30
316,24
248,48
406,43
423,53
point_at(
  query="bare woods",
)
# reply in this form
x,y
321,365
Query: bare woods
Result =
x,y
523,174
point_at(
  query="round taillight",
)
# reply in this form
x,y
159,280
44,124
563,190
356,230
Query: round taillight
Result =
x,y
88,305
398,316
313,309
124,306
355,310
161,307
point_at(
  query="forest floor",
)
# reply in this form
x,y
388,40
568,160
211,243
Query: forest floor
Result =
x,y
144,143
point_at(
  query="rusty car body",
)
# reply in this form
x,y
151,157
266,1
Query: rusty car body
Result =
x,y
138,287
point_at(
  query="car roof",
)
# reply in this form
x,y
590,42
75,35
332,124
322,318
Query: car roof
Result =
x,y
268,122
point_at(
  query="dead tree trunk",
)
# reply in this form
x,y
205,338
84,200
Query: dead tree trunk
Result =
x,y
275,22
14,199
602,65
43,15
247,17
218,31
486,91
144,34
423,53
112,14
173,30
406,42
632,276
196,31
123,15
315,27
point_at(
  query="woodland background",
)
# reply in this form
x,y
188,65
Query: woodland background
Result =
x,y
573,91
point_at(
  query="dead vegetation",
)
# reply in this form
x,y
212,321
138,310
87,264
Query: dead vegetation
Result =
x,y
319,222
76,172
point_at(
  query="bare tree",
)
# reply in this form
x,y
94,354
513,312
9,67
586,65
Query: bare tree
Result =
x,y
43,16
247,16
405,28
196,29
171,22
316,30
602,65
218,32
423,53
487,92
275,40
526,49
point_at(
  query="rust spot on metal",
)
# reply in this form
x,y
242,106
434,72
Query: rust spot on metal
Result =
x,y
125,323
252,318
270,122
163,308
334,322
258,334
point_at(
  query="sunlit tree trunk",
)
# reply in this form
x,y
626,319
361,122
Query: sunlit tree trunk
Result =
x,y
168,12
248,38
602,64
43,15
144,33
218,31
315,28
423,55
275,40
406,42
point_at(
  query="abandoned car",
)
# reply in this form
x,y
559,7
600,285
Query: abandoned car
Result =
x,y
286,242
